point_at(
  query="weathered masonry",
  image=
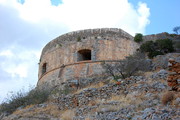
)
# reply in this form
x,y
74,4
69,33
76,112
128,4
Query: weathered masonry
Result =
x,y
79,54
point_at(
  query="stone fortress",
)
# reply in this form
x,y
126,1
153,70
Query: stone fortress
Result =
x,y
79,54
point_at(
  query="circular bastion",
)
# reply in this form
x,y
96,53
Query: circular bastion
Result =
x,y
79,54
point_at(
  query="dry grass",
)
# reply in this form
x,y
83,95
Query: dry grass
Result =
x,y
167,97
125,101
50,109
98,85
107,108
87,119
129,99
21,111
68,115
147,74
93,102
151,80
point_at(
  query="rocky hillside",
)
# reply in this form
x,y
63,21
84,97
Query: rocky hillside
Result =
x,y
145,96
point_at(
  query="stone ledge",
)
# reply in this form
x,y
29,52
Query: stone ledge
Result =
x,y
81,62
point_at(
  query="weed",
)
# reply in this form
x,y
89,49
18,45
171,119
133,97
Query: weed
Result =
x,y
78,39
22,99
68,115
167,98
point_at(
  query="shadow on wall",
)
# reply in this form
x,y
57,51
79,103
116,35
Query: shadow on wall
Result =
x,y
84,54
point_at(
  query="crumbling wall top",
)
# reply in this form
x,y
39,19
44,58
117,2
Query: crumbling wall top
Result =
x,y
81,35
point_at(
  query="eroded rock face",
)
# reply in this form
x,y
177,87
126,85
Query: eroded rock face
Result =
x,y
80,54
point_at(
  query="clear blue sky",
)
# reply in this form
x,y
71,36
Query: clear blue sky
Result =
x,y
164,15
26,26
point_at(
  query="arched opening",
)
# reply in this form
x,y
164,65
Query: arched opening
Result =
x,y
84,54
44,67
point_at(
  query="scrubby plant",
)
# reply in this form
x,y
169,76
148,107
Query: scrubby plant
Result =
x,y
111,70
66,90
154,53
13,102
177,45
165,45
173,35
159,47
167,98
176,29
68,114
60,45
147,46
127,67
22,99
138,37
78,39
37,96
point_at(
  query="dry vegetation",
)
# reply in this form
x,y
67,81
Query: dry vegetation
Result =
x,y
50,109
98,85
68,114
169,97
107,108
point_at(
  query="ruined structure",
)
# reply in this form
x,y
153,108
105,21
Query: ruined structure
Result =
x,y
79,54
174,74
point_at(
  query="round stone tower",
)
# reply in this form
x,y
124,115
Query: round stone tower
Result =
x,y
79,54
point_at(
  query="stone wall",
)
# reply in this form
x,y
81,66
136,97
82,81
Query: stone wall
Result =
x,y
103,33
163,35
174,74
105,44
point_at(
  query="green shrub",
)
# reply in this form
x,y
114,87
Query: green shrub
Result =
x,y
154,53
14,101
176,29
159,47
127,67
177,45
173,35
147,46
22,99
78,39
165,45
66,90
37,96
138,37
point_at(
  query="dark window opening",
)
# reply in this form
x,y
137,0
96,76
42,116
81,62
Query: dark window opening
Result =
x,y
44,67
84,55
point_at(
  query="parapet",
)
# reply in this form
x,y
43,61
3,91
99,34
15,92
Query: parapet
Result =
x,y
76,36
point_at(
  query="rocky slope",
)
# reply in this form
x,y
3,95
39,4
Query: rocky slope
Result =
x,y
142,97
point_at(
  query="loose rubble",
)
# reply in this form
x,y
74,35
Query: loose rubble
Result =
x,y
174,74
